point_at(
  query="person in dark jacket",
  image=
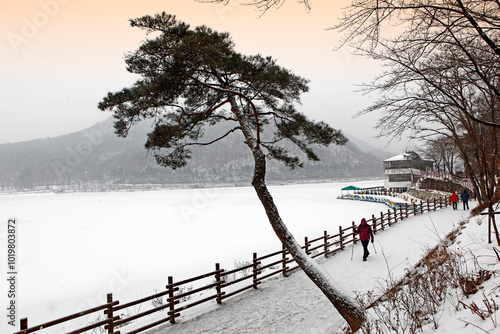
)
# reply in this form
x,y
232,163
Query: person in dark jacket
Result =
x,y
454,199
465,199
365,234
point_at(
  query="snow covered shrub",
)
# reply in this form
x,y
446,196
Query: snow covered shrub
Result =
x,y
470,280
158,301
406,306
244,270
478,220
243,264
489,310
184,289
127,314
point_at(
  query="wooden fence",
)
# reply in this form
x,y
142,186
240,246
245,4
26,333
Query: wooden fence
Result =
x,y
220,284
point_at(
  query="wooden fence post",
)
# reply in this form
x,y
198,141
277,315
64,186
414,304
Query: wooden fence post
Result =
x,y
218,281
353,232
422,206
284,259
414,208
489,229
325,238
341,239
109,312
428,207
23,323
434,203
389,217
374,224
382,219
171,299
395,215
306,245
255,269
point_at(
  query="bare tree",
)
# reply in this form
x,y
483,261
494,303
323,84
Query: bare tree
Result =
x,y
443,60
444,153
427,28
262,5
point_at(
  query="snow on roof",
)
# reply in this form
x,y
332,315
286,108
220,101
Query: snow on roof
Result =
x,y
402,157
399,157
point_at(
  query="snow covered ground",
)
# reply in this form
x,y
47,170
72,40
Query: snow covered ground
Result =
x,y
74,248
295,305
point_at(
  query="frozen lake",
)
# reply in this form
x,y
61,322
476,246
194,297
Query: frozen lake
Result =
x,y
74,248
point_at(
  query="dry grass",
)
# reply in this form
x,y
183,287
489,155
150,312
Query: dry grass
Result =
x,y
417,299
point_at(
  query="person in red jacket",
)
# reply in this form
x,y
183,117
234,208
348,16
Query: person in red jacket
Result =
x,y
454,199
365,234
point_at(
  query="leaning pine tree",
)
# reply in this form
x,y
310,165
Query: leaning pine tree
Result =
x,y
193,78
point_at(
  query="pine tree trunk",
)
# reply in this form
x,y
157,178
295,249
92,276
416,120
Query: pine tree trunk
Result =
x,y
347,309
352,314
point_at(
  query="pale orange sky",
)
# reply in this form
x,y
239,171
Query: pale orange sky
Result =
x,y
60,57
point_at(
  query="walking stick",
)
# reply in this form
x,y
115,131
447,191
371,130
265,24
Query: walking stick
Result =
x,y
374,248
352,252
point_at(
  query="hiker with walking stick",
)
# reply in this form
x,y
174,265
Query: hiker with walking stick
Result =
x,y
365,234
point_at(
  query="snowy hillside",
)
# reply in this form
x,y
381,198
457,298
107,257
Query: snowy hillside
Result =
x,y
96,158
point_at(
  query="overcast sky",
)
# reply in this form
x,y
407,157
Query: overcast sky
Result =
x,y
59,58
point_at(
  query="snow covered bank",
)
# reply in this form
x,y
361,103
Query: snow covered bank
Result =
x,y
295,305
145,248
75,248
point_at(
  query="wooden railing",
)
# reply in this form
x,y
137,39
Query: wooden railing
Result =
x,y
221,284
108,310
443,181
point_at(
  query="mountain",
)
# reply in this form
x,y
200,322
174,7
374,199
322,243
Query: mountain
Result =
x,y
367,148
96,157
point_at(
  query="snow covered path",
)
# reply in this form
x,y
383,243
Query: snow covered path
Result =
x,y
296,305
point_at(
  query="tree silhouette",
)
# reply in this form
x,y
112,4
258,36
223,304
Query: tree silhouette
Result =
x,y
262,5
441,78
192,79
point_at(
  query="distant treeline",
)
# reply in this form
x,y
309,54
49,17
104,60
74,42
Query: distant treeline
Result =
x,y
96,158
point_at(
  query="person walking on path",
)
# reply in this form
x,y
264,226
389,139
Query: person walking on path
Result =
x,y
365,234
465,199
454,199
